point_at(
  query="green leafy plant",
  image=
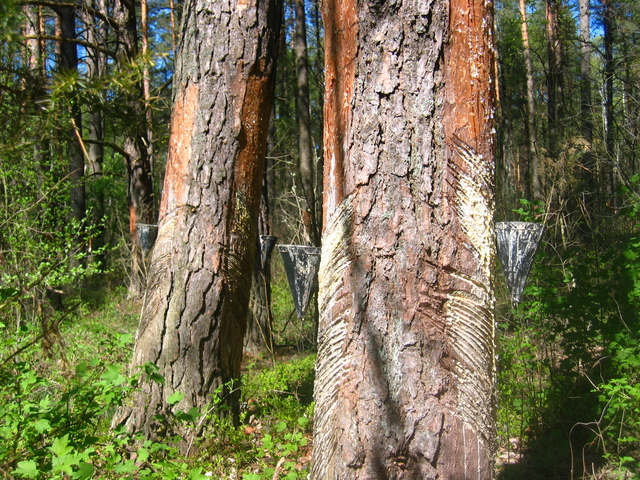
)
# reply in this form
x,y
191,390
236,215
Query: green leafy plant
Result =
x,y
278,452
530,211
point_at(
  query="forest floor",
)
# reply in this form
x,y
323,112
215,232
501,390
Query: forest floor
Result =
x,y
273,440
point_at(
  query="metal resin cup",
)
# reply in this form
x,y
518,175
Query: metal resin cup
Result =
x,y
517,244
147,235
267,242
301,264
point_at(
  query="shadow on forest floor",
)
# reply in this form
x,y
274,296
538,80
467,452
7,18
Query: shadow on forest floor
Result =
x,y
549,459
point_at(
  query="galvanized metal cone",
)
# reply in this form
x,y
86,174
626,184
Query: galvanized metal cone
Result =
x,y
267,242
301,264
147,236
517,244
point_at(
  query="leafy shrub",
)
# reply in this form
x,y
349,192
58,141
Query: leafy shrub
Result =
x,y
285,389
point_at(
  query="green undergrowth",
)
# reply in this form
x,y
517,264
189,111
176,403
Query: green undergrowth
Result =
x,y
569,360
56,406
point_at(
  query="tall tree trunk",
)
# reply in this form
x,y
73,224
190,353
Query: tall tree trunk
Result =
x,y
554,76
172,17
69,63
405,370
609,139
533,190
194,315
586,120
95,62
32,33
305,163
146,81
259,337
630,104
136,145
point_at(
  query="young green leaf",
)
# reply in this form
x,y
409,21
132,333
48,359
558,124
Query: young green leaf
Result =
x,y
27,468
175,398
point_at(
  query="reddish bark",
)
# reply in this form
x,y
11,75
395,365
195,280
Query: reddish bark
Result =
x,y
194,316
341,44
404,379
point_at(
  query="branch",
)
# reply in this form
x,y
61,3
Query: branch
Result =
x,y
111,145
53,4
70,40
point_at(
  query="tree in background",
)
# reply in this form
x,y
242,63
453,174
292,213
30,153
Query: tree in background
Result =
x,y
137,141
194,315
305,149
405,371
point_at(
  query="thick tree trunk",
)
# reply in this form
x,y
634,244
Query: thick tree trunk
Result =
x,y
405,372
194,315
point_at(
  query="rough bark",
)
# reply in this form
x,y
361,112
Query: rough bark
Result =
x,y
405,371
194,315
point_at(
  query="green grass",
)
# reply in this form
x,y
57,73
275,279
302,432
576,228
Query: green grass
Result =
x,y
56,405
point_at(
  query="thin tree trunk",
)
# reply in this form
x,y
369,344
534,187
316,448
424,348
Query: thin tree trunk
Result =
x,y
554,76
32,33
136,145
586,114
533,190
69,63
259,337
609,142
630,104
405,371
172,16
194,316
146,81
95,62
305,164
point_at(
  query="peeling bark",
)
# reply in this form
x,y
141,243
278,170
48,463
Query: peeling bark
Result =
x,y
194,315
405,372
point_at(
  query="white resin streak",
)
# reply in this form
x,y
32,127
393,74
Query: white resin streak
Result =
x,y
470,314
332,335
